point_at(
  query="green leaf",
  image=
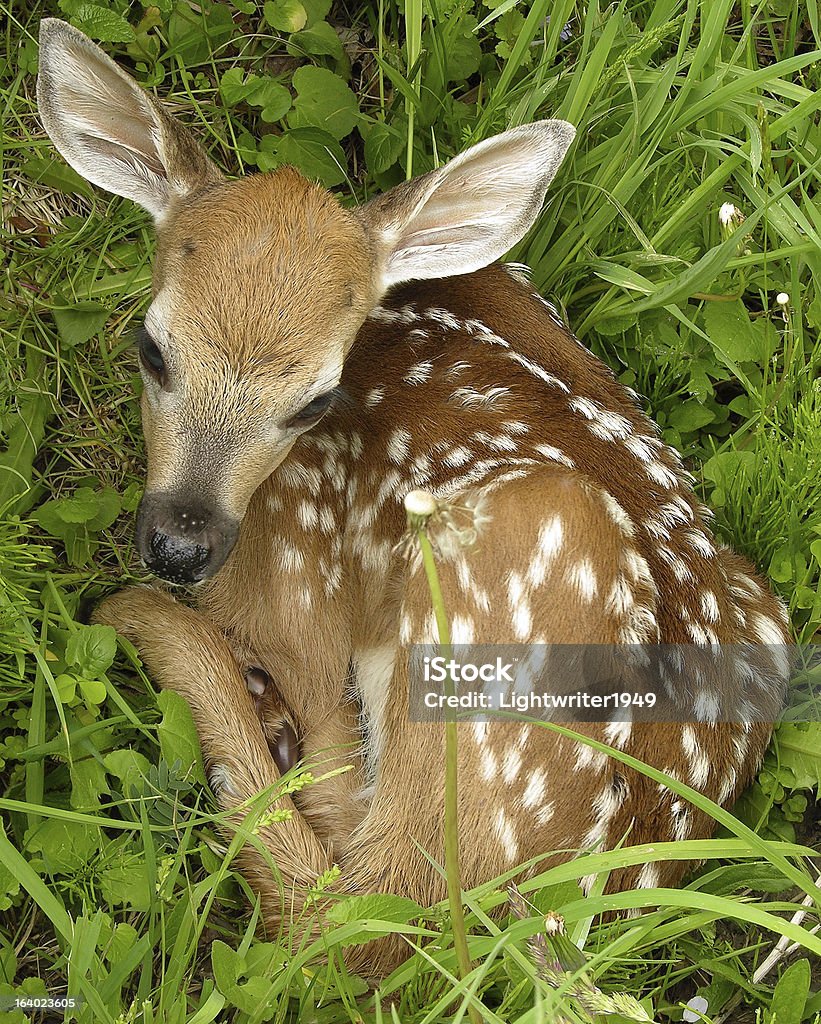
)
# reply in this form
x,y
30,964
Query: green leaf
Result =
x,y
274,99
285,15
102,24
258,966
124,880
383,147
66,687
314,152
317,10
193,36
257,91
25,438
799,750
66,846
321,40
178,735
690,416
129,766
91,649
233,87
93,691
9,886
108,503
377,906
79,322
732,335
323,101
55,175
88,780
790,995
123,939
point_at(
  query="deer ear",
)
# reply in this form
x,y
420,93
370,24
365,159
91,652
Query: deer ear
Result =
x,y
109,129
468,213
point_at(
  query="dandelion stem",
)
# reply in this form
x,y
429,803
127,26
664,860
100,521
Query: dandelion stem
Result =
x,y
452,871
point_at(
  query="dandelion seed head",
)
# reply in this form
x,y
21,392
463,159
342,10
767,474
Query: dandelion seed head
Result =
x,y
420,503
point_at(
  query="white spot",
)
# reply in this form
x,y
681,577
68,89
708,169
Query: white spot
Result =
x,y
406,315
706,707
502,443
511,765
699,763
374,397
458,456
617,734
648,877
709,606
551,538
545,813
419,373
611,426
644,448
535,790
620,600
327,521
307,515
661,474
374,667
537,371
443,317
291,558
768,631
520,606
221,781
457,368
554,454
399,446
462,630
700,542
588,758
585,407
681,570
507,837
488,767
617,514
681,820
474,398
583,577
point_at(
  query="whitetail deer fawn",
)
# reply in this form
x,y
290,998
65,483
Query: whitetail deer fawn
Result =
x,y
305,366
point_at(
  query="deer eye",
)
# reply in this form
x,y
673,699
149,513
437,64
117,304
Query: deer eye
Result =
x,y
312,412
150,355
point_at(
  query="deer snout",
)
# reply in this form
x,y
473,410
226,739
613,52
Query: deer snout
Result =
x,y
183,541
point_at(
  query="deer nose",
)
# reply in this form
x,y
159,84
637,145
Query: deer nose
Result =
x,y
182,541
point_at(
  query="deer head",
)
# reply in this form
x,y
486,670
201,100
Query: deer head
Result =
x,y
261,284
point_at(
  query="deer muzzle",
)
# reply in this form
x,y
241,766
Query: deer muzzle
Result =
x,y
181,539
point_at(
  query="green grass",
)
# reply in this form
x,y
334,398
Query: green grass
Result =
x,y
113,883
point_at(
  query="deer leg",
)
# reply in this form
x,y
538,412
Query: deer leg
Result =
x,y
183,651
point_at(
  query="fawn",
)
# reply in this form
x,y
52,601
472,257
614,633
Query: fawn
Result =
x,y
305,366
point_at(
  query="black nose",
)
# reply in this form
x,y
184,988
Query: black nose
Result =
x,y
183,540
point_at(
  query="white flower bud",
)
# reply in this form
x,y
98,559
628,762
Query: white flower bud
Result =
x,y
729,213
782,299
420,503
